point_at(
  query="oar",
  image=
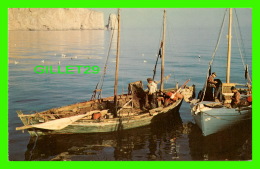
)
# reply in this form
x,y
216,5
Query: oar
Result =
x,y
57,124
124,106
180,88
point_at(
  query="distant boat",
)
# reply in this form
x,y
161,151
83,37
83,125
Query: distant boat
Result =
x,y
213,117
114,113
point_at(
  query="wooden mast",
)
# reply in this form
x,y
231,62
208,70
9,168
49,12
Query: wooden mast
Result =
x,y
229,46
163,51
117,61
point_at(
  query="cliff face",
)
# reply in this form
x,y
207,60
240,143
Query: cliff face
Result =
x,y
54,19
112,22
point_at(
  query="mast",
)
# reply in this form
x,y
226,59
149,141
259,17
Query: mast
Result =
x,y
229,46
117,60
163,51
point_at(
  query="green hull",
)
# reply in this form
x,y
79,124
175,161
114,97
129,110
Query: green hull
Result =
x,y
111,125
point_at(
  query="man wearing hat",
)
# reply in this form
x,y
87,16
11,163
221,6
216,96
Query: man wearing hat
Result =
x,y
211,80
212,83
152,88
235,98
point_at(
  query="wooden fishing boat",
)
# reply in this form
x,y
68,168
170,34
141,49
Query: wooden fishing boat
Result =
x,y
213,117
118,112
61,122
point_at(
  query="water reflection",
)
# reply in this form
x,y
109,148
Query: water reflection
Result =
x,y
28,49
155,142
161,141
232,144
30,45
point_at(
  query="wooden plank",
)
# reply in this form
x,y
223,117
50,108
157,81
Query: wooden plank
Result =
x,y
124,106
86,106
58,123
23,119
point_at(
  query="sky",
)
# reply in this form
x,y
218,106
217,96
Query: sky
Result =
x,y
180,17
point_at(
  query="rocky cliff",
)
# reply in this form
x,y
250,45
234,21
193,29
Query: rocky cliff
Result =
x,y
112,22
54,19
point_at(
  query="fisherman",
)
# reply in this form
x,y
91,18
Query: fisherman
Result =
x,y
235,98
214,84
152,88
211,81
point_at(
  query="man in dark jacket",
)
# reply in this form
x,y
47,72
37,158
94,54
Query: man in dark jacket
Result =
x,y
235,98
214,84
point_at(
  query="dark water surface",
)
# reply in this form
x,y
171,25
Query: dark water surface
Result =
x,y
174,139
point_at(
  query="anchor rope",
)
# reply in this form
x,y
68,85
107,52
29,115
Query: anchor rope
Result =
x,y
34,145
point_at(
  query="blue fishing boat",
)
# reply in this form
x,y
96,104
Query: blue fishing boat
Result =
x,y
215,119
215,111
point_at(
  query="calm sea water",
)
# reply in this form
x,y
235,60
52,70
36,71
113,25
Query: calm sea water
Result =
x,y
176,139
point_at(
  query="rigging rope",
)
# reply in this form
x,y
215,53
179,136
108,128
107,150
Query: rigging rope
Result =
x,y
219,37
243,47
242,42
171,42
99,85
155,66
214,53
159,54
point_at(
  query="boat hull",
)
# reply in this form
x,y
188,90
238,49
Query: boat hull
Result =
x,y
214,120
111,125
